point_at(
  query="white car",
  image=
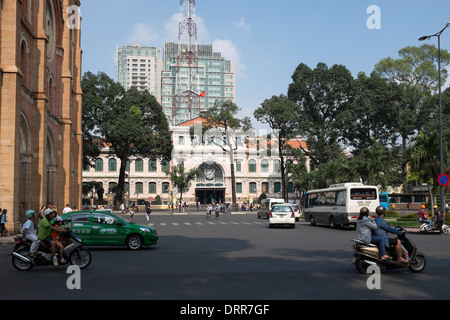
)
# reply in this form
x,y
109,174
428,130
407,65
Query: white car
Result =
x,y
282,214
296,211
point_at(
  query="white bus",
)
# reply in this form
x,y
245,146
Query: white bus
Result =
x,y
340,204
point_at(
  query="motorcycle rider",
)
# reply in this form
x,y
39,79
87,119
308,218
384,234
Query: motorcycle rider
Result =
x,y
45,230
29,233
440,219
383,229
424,217
364,227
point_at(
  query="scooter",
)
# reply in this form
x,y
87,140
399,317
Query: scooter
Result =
x,y
366,255
423,227
74,253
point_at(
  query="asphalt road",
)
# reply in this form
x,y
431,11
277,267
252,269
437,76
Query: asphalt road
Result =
x,y
234,258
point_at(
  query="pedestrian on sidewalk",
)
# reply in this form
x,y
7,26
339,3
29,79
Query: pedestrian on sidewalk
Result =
x,y
148,210
208,211
217,210
3,222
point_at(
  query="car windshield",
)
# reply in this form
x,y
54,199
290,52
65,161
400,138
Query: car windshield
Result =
x,y
281,208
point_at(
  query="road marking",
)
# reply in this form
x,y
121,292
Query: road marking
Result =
x,y
163,224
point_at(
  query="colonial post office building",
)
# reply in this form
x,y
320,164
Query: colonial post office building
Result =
x,y
255,171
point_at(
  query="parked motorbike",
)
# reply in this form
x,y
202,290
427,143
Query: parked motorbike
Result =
x,y
433,229
366,255
74,253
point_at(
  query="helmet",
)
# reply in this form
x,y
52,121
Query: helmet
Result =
x,y
364,210
422,206
29,214
380,210
48,211
58,220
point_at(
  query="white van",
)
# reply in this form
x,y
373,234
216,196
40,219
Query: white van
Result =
x,y
266,205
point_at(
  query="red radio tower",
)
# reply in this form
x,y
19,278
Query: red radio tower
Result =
x,y
187,98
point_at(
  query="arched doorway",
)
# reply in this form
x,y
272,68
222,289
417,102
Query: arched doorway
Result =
x,y
210,184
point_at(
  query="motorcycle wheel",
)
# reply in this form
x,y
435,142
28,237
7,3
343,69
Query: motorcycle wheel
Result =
x,y
80,257
445,230
417,263
361,266
20,264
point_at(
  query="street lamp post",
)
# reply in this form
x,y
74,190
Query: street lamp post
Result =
x,y
441,149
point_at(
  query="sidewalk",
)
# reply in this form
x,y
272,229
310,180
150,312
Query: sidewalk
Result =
x,y
8,239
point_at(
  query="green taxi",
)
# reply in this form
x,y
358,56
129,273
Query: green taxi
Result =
x,y
104,228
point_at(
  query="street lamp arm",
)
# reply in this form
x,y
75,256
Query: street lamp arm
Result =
x,y
437,34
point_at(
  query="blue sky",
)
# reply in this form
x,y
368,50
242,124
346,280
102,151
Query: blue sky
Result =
x,y
266,39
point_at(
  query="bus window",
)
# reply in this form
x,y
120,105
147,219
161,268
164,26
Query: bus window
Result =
x,y
363,194
340,198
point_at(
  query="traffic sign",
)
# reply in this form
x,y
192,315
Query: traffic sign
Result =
x,y
443,180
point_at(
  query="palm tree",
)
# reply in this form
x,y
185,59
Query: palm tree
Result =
x,y
425,160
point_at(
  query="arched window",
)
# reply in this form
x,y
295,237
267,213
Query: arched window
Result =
x,y
264,166
277,187
112,187
24,54
151,165
139,165
99,165
139,187
165,187
152,187
276,166
252,165
165,165
112,165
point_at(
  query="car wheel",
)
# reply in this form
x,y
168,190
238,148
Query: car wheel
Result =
x,y
134,242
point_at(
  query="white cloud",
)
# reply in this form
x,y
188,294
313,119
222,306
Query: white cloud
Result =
x,y
229,50
241,24
172,28
143,34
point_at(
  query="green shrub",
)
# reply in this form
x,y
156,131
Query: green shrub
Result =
x,y
392,214
157,200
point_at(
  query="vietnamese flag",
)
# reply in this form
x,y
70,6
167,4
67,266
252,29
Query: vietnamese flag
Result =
x,y
202,94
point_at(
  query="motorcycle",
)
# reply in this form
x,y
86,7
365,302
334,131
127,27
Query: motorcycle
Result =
x,y
366,255
74,253
423,227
